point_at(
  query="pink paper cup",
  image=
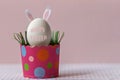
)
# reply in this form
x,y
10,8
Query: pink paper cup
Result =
x,y
40,62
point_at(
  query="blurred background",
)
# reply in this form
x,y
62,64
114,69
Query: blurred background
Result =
x,y
92,28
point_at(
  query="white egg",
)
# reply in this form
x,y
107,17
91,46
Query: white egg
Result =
x,y
38,32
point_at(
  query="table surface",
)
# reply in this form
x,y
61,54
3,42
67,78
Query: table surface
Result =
x,y
68,72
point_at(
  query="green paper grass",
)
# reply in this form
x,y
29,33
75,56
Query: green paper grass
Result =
x,y
21,39
55,38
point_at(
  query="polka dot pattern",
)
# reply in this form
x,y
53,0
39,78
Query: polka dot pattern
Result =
x,y
39,72
57,51
23,51
40,62
31,58
49,65
43,55
26,66
56,65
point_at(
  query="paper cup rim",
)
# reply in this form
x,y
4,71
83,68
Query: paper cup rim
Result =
x,y
41,46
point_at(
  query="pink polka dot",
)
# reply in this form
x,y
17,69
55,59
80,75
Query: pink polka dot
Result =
x,y
31,58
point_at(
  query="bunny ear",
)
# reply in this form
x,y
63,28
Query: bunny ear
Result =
x,y
46,14
29,15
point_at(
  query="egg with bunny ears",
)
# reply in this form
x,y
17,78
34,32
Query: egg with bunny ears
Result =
x,y
38,31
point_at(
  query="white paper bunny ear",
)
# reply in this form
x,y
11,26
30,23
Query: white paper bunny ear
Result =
x,y
29,15
46,14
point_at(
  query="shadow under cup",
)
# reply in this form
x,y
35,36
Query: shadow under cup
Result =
x,y
40,62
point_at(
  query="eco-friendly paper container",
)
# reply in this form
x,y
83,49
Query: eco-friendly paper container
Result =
x,y
40,62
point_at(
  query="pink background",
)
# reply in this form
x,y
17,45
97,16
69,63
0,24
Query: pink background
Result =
x,y
92,28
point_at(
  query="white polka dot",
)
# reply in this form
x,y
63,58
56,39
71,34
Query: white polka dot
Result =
x,y
31,58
